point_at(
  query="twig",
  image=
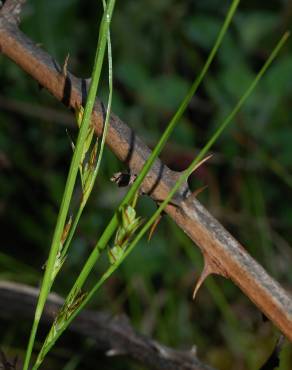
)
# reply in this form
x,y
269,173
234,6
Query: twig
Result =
x,y
219,248
39,112
112,335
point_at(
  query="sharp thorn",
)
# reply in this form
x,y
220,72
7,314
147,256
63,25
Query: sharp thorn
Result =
x,y
153,227
65,66
202,162
194,194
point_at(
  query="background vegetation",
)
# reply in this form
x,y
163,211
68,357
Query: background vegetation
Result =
x,y
158,48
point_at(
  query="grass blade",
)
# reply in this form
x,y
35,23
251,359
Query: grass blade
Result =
x,y
53,335
186,173
74,167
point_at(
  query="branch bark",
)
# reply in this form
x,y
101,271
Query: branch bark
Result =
x,y
223,254
114,336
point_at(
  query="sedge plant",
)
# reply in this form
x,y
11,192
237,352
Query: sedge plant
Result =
x,y
124,221
55,261
75,298
81,299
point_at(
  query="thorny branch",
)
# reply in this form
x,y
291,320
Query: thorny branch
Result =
x,y
113,336
222,253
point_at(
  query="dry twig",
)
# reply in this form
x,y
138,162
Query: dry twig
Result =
x,y
112,335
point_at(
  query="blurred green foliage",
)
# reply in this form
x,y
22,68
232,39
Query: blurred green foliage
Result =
x,y
158,48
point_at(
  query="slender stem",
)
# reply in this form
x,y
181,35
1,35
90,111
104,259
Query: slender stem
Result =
x,y
69,187
181,179
111,227
101,150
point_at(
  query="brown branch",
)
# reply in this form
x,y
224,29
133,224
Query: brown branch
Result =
x,y
221,251
114,336
12,9
39,112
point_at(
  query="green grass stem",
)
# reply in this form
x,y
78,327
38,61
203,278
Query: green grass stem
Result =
x,y
70,183
183,178
101,151
111,227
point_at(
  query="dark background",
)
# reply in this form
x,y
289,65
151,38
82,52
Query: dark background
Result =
x,y
159,46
